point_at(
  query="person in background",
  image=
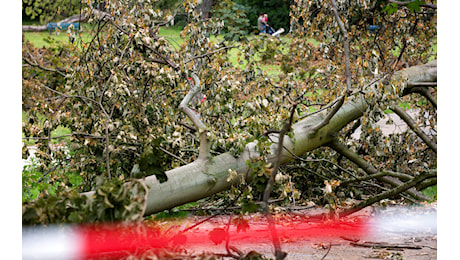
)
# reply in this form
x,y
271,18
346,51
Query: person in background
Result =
x,y
260,23
268,28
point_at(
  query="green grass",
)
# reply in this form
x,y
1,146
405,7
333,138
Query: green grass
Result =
x,y
431,192
46,39
171,34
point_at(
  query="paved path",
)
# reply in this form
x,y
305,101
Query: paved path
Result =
x,y
398,126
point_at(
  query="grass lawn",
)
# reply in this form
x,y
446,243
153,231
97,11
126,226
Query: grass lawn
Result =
x,y
45,39
171,34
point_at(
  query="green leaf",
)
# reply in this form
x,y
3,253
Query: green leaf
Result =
x,y
415,6
391,8
249,206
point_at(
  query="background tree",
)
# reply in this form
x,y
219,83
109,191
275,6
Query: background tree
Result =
x,y
236,25
128,98
45,11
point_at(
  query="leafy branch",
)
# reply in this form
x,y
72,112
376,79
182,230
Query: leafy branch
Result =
x,y
43,68
371,170
108,119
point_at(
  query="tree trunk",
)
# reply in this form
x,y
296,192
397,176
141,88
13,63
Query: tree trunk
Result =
x,y
204,178
205,8
40,28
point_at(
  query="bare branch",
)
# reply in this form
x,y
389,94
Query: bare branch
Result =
x,y
173,155
195,117
421,88
333,111
279,254
346,46
427,183
378,175
410,122
211,53
43,68
390,193
321,109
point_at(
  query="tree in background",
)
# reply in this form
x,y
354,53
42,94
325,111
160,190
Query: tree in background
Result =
x,y
45,11
236,25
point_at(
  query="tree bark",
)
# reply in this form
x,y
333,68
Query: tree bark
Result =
x,y
40,28
204,178
205,8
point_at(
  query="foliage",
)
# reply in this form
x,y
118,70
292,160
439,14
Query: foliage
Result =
x,y
119,94
111,202
48,10
235,21
431,192
371,56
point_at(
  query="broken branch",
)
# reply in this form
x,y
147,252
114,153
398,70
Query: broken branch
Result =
x,y
410,122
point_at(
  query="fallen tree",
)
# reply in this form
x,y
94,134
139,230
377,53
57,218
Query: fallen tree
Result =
x,y
40,28
129,98
212,175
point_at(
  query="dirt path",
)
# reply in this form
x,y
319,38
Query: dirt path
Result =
x,y
403,239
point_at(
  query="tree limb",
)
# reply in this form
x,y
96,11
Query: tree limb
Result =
x,y
410,122
390,193
212,176
43,68
422,89
279,254
427,183
331,113
195,117
346,46
369,169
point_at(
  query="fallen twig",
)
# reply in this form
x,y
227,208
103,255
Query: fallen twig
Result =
x,y
328,249
384,245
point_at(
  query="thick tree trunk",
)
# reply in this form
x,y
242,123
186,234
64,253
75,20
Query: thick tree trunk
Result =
x,y
205,8
203,178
